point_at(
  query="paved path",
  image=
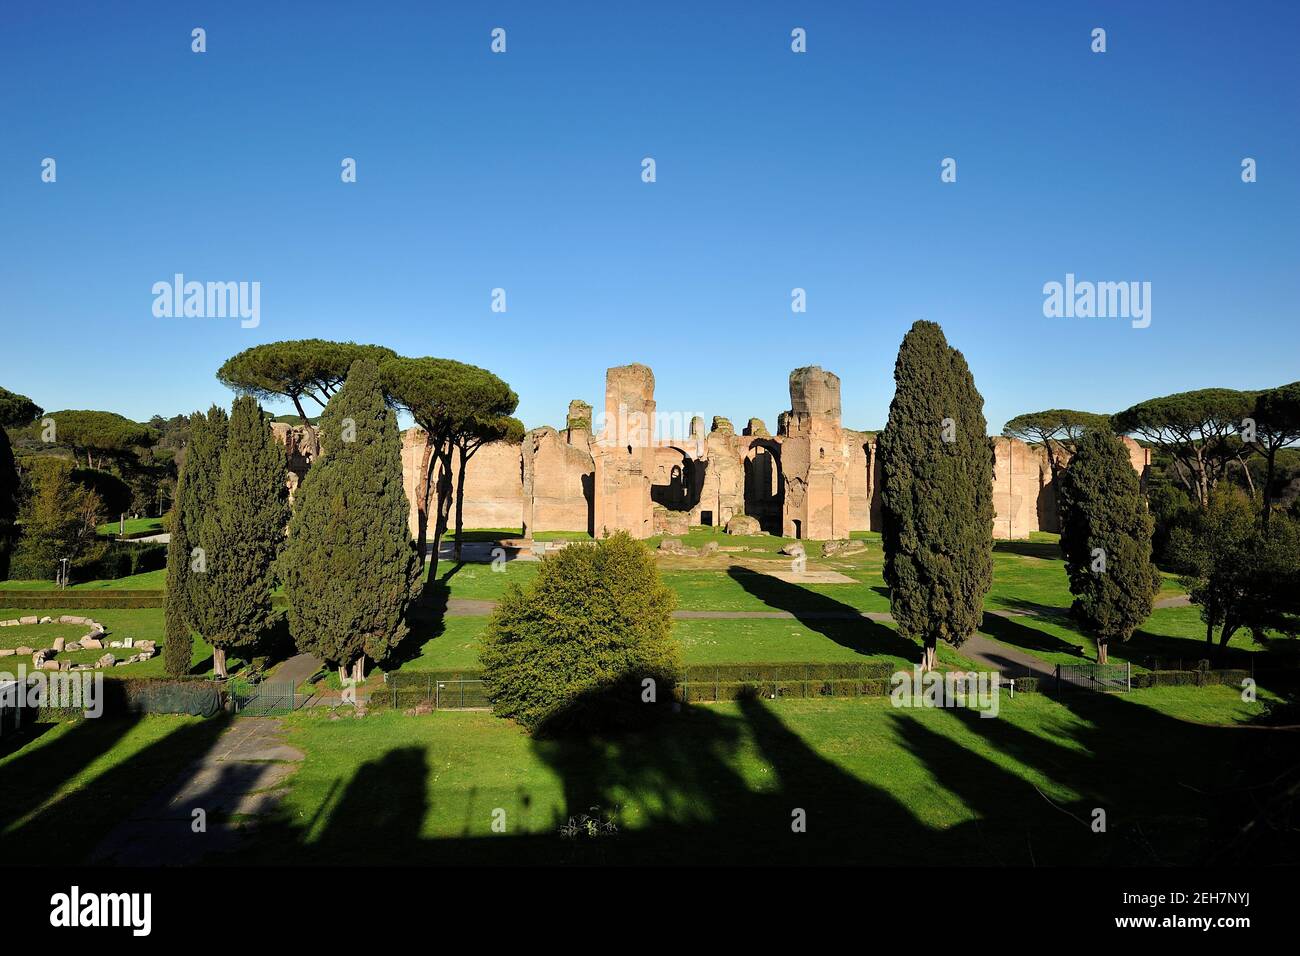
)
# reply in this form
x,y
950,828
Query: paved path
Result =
x,y
243,774
297,669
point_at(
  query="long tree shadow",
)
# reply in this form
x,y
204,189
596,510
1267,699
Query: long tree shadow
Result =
x,y
835,620
426,619
31,778
68,829
1173,792
381,812
1010,631
1047,550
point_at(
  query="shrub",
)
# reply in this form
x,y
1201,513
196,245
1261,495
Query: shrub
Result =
x,y
573,652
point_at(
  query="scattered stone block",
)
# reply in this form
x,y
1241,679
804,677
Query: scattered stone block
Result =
x,y
743,524
24,652
6,652
794,550
58,644
844,547
92,643
48,666
31,619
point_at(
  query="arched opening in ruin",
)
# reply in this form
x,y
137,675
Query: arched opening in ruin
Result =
x,y
764,489
674,483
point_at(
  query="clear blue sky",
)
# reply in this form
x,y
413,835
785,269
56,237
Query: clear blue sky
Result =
x,y
775,170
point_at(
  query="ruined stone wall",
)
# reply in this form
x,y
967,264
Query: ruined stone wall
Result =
x,y
624,456
1022,500
557,479
814,479
815,458
301,447
860,478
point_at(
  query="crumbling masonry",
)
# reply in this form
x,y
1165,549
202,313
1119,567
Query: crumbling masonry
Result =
x,y
813,479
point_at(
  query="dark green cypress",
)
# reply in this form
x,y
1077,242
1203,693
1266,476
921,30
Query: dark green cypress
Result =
x,y
349,567
242,534
1106,537
937,469
201,455
202,471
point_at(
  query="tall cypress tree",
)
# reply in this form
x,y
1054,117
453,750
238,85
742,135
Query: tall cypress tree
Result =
x,y
349,567
202,471
241,534
937,470
1106,536
178,642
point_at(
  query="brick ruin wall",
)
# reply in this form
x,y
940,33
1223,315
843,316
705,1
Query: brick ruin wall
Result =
x,y
812,479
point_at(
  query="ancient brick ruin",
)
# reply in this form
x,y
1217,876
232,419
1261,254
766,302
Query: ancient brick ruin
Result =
x,y
813,478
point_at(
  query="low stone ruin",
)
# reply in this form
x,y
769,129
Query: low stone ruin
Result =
x,y
45,658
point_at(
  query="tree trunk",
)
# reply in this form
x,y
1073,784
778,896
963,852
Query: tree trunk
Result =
x,y
460,499
1101,650
1271,458
422,495
297,403
359,670
219,662
928,657
440,521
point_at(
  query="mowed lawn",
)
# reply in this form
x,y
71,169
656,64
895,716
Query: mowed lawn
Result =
x,y
146,581
1029,580
720,783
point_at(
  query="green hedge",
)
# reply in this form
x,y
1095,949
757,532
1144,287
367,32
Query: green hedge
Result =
x,y
706,691
1197,678
42,600
761,672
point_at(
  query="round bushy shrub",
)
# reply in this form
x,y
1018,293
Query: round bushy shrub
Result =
x,y
578,649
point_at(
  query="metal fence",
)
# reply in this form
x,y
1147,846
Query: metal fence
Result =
x,y
439,693
266,699
1099,677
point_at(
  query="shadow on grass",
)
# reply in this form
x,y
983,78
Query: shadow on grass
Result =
x,y
835,620
1008,630
1048,550
727,786
45,821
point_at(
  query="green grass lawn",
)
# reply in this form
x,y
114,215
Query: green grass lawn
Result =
x,y
131,526
148,581
878,784
456,644
66,785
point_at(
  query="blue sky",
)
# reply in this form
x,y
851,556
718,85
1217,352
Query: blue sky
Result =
x,y
775,170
